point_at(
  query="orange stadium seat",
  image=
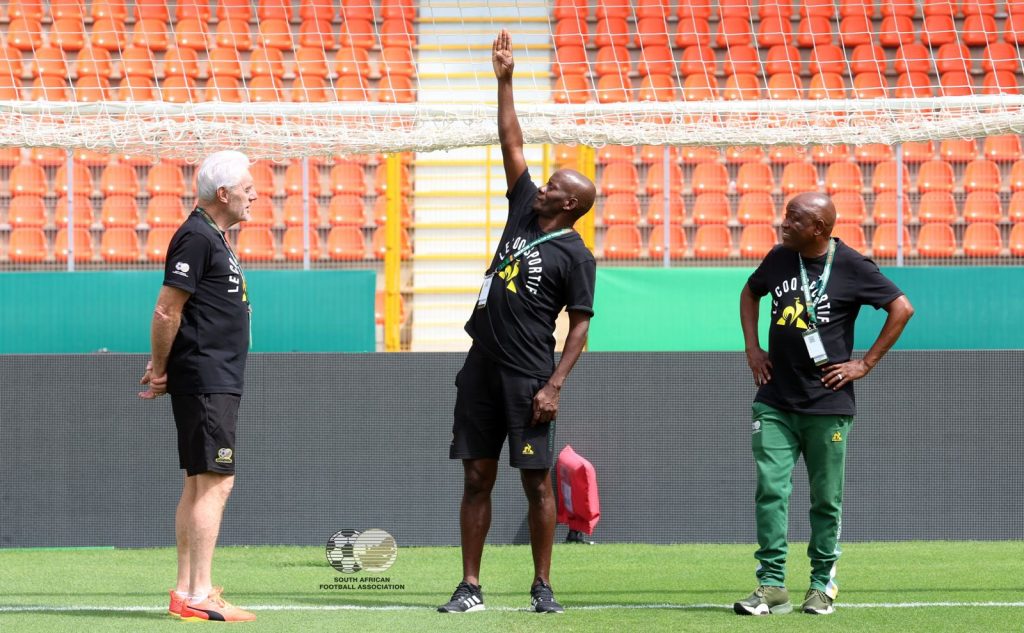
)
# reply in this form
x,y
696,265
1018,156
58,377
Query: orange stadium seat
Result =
x,y
1017,240
234,10
357,33
700,88
710,177
656,60
378,243
183,62
611,60
565,155
711,208
827,58
82,210
92,89
157,242
774,8
255,243
274,10
799,177
697,59
867,58
653,32
688,8
656,210
828,154
814,31
622,242
843,177
953,57
26,245
955,84
857,7
1000,56
676,242
885,210
569,9
773,31
49,60
396,89
782,59
261,213
380,211
732,8
657,88
348,178
165,178
855,30
234,34
938,30
913,85
137,62
165,210
152,9
852,235
27,179
912,58
872,153
692,32
739,60
941,7
611,32
823,8
572,89
982,239
265,88
885,175
178,89
191,33
346,210
352,61
351,88
398,60
999,82
277,34
68,34
615,154
48,156
983,206
311,89
119,210
137,89
937,206
10,156
785,87
94,62
398,32
380,180
33,9
655,183
293,179
405,9
345,243
151,34
293,247
619,178
756,240
83,245
739,154
958,150
27,210
979,30
754,177
741,87
25,34
224,63
827,86
119,179
884,242
192,9
895,31
266,62
572,32
294,210
109,34
317,34
696,154
850,207
918,152
734,31
1002,149
756,208
614,9
350,10
712,242
620,208
936,240
981,175
119,244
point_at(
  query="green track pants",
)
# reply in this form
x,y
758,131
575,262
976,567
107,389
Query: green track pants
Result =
x,y
778,440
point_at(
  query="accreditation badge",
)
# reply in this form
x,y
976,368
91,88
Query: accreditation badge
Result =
x,y
485,288
815,348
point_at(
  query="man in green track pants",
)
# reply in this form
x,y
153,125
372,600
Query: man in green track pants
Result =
x,y
805,402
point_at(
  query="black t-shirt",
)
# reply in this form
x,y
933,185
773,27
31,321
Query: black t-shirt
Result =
x,y
516,327
854,281
208,354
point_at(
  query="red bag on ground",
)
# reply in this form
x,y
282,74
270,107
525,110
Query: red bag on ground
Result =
x,y
579,505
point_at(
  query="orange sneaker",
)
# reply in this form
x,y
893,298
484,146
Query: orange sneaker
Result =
x,y
215,609
177,603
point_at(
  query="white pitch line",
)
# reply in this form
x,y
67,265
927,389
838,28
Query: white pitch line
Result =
x,y
590,607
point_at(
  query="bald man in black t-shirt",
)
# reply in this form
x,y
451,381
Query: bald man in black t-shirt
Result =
x,y
509,387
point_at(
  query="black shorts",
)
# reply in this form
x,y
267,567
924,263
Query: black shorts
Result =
x,y
206,431
494,403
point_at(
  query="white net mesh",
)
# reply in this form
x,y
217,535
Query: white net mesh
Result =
x,y
281,79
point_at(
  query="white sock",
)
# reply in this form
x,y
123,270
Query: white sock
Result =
x,y
181,594
197,598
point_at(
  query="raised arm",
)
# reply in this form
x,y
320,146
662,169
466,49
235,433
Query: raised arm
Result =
x,y
509,132
899,312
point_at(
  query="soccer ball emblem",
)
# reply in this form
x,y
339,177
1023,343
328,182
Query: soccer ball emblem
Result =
x,y
341,551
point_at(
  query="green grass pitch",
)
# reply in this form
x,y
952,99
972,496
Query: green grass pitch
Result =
x,y
908,587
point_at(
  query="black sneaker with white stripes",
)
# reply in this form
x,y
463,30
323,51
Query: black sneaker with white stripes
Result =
x,y
544,599
466,599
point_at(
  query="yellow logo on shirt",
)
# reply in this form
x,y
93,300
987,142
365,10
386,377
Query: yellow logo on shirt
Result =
x,y
792,315
528,449
837,437
508,274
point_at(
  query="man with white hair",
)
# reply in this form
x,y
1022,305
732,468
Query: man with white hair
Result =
x,y
200,340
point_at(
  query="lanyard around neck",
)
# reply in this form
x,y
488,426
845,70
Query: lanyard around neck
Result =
x,y
812,306
540,240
